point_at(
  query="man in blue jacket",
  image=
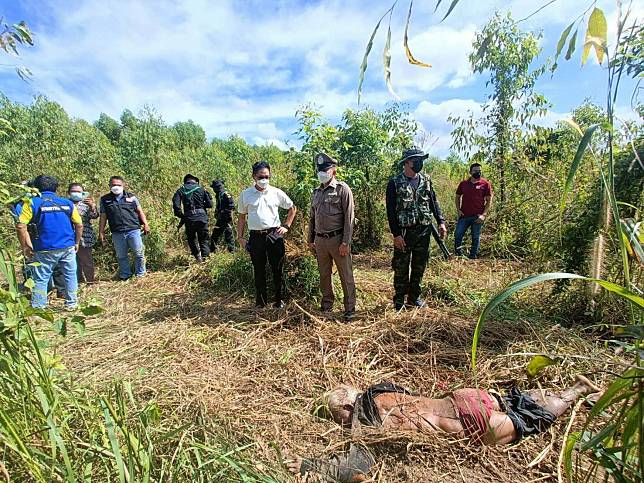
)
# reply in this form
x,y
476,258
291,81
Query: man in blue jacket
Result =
x,y
53,242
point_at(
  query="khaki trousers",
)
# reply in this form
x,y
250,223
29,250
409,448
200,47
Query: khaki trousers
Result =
x,y
327,251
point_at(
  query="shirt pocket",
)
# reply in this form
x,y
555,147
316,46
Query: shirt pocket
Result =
x,y
332,205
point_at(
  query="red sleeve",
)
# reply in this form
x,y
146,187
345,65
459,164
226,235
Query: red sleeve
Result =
x,y
488,190
459,190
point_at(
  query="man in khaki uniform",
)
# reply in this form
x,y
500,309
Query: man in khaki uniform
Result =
x,y
330,232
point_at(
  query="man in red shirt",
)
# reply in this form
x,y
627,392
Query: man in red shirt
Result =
x,y
473,202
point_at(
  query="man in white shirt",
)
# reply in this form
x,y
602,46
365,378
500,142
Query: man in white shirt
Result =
x,y
260,205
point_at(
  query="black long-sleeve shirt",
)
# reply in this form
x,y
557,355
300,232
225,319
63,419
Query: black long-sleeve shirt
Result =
x,y
392,216
194,208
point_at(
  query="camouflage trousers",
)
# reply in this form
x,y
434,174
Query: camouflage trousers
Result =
x,y
409,264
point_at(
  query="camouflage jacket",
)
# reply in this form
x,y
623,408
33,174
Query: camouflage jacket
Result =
x,y
415,207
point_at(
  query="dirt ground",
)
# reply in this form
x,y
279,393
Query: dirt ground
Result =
x,y
259,373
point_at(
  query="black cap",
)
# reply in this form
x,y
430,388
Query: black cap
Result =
x,y
189,177
323,162
217,184
413,153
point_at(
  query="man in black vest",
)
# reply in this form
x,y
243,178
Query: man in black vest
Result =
x,y
189,204
123,212
224,216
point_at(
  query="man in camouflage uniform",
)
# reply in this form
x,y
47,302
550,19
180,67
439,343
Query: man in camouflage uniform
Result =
x,y
225,205
411,202
330,232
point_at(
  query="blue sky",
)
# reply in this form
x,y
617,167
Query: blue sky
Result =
x,y
244,67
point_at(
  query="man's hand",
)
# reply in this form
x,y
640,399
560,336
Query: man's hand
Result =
x,y
461,214
312,246
28,252
480,219
242,243
101,237
442,230
77,247
344,249
146,229
281,230
89,201
399,243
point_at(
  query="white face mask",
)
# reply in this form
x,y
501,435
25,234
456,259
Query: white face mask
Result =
x,y
263,183
324,177
117,190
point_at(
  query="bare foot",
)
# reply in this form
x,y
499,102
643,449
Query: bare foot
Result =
x,y
585,385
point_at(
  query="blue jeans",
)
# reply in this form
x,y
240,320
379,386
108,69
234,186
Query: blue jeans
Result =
x,y
123,242
45,263
463,224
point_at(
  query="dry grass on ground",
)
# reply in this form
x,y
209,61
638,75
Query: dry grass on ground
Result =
x,y
259,373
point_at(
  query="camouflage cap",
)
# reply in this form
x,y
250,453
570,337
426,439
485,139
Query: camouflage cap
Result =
x,y
323,162
413,153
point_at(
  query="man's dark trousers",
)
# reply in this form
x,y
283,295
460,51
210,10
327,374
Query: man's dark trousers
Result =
x,y
262,248
226,230
416,253
197,233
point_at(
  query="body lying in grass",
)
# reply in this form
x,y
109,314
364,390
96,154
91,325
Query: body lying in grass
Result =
x,y
483,417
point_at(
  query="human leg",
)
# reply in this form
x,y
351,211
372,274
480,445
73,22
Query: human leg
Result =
x,y
217,231
276,251
459,234
476,239
202,236
345,271
258,257
325,266
400,265
229,238
135,243
67,264
558,402
419,256
85,265
191,234
121,248
41,271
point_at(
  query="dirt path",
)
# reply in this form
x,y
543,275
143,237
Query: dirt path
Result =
x,y
258,373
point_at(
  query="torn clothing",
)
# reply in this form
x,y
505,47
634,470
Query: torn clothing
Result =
x,y
527,416
474,408
365,410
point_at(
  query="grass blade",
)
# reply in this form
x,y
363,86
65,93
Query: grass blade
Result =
x,y
363,66
449,10
581,149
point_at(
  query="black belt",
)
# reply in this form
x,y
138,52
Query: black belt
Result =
x,y
264,232
330,234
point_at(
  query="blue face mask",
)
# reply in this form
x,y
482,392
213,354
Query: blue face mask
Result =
x,y
76,196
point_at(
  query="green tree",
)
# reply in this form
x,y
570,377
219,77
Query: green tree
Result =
x,y
507,53
189,135
108,126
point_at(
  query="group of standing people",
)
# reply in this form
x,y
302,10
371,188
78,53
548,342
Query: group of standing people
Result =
x,y
57,233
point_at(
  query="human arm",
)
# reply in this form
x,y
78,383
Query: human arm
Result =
x,y
311,232
207,199
458,199
438,214
143,220
77,221
392,217
241,222
486,208
348,207
290,216
176,204
102,221
25,216
92,212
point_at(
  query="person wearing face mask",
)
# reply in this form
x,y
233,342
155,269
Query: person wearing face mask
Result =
x,y
125,216
473,203
225,205
88,212
259,205
330,231
411,202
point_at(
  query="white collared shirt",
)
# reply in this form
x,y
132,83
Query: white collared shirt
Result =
x,y
262,206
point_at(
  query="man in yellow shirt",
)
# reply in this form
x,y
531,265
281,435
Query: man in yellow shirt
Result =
x,y
53,240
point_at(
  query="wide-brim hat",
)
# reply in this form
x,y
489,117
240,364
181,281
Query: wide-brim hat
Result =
x,y
412,153
323,162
